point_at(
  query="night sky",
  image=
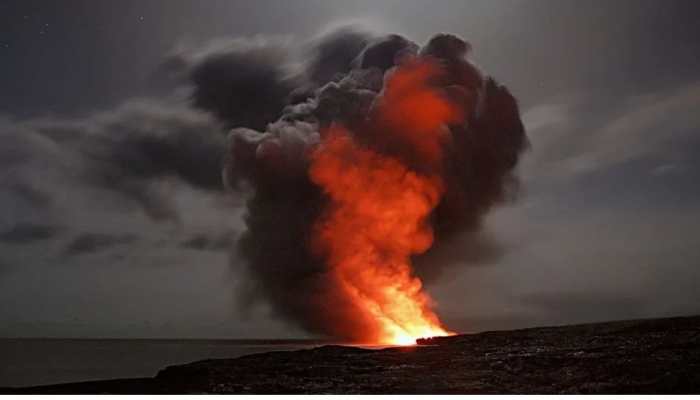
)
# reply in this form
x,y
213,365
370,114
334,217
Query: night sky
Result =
x,y
113,225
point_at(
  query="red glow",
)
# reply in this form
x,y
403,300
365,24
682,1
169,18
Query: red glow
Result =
x,y
379,209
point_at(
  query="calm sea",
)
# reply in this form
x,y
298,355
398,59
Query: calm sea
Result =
x,y
28,362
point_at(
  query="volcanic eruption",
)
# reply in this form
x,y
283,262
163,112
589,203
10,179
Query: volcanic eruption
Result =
x,y
385,151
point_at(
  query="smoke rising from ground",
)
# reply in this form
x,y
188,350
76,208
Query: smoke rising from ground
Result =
x,y
278,103
343,84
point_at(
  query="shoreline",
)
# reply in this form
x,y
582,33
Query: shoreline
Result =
x,y
637,356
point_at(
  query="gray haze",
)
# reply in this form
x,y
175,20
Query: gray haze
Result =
x,y
115,222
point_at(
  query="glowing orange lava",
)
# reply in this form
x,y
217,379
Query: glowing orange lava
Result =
x,y
380,208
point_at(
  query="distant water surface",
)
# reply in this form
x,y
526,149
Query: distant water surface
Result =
x,y
29,362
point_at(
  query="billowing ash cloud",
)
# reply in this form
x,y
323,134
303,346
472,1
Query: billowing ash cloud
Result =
x,y
244,82
278,109
336,53
343,84
128,151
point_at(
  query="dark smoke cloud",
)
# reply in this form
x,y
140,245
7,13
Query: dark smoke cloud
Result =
x,y
128,151
277,107
67,175
136,151
335,54
242,82
87,243
148,141
385,52
283,204
27,232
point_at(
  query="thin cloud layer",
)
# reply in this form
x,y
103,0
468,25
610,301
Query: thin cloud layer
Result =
x,y
658,127
24,233
87,243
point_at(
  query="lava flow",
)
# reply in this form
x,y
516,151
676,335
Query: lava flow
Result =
x,y
380,204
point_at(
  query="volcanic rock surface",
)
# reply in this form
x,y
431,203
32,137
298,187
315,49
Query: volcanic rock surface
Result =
x,y
643,356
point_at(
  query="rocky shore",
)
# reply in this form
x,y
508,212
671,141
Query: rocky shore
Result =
x,y
643,356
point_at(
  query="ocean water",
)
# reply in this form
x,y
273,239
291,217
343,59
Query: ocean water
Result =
x,y
29,362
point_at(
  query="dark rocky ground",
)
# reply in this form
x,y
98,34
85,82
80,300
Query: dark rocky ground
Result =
x,y
644,356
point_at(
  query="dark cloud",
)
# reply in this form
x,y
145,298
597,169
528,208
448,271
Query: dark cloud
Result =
x,y
383,53
284,203
333,55
208,242
142,145
87,243
128,151
242,82
27,232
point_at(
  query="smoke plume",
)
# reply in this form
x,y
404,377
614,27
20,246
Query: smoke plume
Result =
x,y
448,134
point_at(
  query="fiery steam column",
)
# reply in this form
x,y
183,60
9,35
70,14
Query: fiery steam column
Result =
x,y
405,148
379,207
